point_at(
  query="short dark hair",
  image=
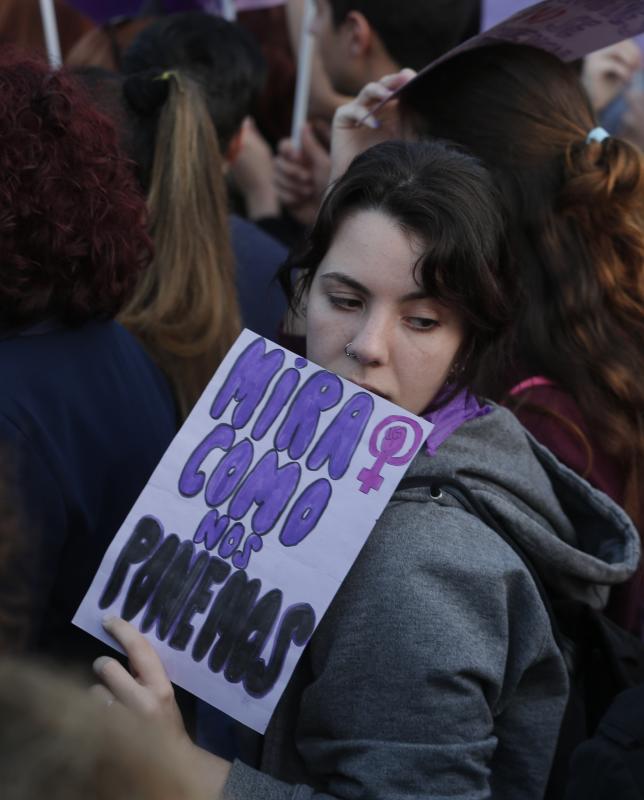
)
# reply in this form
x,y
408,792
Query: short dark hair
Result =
x,y
72,221
218,55
415,32
448,201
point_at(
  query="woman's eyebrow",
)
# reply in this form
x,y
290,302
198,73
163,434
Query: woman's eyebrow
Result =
x,y
421,294
342,278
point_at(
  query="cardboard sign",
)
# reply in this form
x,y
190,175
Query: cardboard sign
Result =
x,y
250,522
569,29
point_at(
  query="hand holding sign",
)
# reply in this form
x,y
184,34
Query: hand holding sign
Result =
x,y
148,692
355,130
234,550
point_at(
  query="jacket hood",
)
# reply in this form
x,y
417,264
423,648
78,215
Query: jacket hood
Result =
x,y
579,540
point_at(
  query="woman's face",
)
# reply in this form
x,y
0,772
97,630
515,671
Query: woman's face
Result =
x,y
364,294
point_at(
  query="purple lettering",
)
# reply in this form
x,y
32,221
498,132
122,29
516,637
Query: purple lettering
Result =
x,y
284,388
211,528
270,487
232,540
229,473
339,441
247,382
192,479
322,391
253,544
306,512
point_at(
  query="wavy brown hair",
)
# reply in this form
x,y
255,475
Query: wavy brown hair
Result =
x,y
575,213
184,308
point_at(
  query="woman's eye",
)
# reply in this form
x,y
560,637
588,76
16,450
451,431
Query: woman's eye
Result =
x,y
345,303
421,323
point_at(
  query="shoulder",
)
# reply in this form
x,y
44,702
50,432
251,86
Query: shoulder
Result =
x,y
435,535
446,567
95,370
249,239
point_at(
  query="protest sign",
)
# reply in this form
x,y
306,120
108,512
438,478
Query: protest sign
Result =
x,y
250,522
569,29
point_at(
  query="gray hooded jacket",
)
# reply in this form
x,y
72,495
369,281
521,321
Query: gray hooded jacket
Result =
x,y
434,673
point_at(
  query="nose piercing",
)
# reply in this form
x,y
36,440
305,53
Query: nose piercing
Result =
x,y
349,353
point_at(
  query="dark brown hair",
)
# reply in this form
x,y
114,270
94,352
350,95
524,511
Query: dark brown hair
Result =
x,y
448,201
575,211
415,32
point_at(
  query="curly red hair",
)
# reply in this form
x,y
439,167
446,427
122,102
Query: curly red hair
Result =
x,y
72,221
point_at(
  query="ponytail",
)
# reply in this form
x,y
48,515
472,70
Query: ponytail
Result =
x,y
185,309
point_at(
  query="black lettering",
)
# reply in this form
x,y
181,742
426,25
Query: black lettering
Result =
x,y
216,572
226,619
147,577
296,626
141,544
256,631
174,588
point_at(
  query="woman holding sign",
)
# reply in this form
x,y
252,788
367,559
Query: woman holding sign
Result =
x,y
435,671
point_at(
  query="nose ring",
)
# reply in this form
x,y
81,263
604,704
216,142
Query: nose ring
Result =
x,y
349,353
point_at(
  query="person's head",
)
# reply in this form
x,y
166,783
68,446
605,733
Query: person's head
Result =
x,y
402,274
184,308
219,56
362,40
190,81
72,222
58,741
575,209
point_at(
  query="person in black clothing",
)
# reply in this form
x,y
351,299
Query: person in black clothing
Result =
x,y
84,414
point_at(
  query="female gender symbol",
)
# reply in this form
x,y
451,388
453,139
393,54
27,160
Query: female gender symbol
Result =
x,y
393,441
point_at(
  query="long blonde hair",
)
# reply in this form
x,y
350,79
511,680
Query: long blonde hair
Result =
x,y
184,308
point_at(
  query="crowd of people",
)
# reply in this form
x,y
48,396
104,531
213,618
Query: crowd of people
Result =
x,y
468,244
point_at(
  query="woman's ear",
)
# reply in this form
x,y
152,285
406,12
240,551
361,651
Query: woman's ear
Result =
x,y
358,34
234,146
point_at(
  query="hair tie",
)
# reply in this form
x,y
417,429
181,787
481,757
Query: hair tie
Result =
x,y
171,73
597,135
165,76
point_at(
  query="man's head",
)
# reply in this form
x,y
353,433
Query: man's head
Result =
x,y
361,40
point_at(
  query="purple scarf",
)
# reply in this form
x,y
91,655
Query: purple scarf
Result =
x,y
446,419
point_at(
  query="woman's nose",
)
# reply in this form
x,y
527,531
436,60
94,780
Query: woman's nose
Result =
x,y
371,342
